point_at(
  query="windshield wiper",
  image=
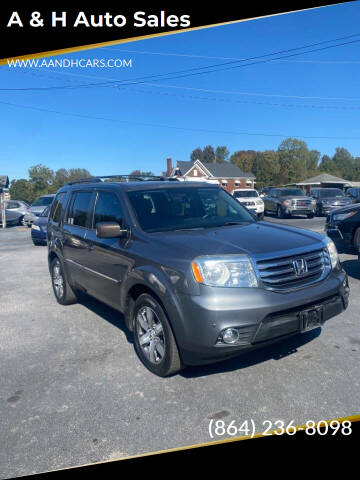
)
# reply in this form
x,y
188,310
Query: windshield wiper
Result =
x,y
233,223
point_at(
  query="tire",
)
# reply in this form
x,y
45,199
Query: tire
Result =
x,y
160,354
261,216
37,243
63,292
22,222
356,240
280,212
318,212
310,215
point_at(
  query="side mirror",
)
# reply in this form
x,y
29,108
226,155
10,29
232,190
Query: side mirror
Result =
x,y
109,230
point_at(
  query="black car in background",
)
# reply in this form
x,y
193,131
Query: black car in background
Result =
x,y
327,199
343,226
354,194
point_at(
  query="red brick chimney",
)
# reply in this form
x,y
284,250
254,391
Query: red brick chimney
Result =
x,y
168,167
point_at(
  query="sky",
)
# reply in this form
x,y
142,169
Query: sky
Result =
x,y
114,129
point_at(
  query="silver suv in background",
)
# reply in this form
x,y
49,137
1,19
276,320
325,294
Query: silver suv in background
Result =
x,y
36,208
17,206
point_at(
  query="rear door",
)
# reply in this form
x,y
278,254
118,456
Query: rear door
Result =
x,y
107,260
75,226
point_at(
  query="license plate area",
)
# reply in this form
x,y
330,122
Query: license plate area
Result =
x,y
311,318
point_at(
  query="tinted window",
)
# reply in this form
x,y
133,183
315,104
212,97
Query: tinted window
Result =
x,y
45,213
12,205
291,192
57,207
79,209
186,208
245,193
107,208
42,202
330,193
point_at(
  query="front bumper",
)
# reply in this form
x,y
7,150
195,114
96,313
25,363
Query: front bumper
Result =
x,y
300,210
261,316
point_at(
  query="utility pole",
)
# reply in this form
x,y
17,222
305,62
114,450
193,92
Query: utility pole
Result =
x,y
4,183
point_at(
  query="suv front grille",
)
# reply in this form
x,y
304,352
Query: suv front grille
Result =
x,y
294,271
302,202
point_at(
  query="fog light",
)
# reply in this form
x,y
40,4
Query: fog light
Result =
x,y
230,335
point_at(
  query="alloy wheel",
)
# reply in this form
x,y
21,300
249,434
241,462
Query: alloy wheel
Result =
x,y
150,334
58,279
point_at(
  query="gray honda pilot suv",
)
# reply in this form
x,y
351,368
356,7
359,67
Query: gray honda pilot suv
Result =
x,y
197,276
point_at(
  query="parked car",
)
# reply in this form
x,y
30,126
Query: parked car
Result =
x,y
265,191
250,199
37,208
354,194
343,226
11,217
17,206
285,202
194,286
327,199
39,228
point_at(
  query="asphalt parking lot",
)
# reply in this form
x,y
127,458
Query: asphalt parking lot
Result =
x,y
73,392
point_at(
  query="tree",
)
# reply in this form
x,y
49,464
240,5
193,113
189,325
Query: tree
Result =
x,y
244,159
139,173
344,163
208,154
221,154
196,154
22,189
266,168
41,177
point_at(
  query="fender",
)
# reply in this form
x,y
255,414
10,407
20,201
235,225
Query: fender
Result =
x,y
156,281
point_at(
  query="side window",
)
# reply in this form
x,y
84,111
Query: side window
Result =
x,y
79,208
107,209
11,205
58,207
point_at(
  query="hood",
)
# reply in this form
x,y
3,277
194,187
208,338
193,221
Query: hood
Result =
x,y
41,221
348,208
294,197
37,209
237,239
341,200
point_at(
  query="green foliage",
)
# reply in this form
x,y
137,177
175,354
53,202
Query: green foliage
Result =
x,y
43,180
221,154
292,162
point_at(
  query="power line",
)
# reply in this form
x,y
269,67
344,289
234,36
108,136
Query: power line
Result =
x,y
195,71
232,101
173,127
167,54
209,90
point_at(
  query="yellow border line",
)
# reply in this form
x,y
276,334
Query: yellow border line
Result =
x,y
50,53
352,419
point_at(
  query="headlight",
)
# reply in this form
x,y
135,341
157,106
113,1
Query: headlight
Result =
x,y
225,271
35,227
342,216
333,254
287,202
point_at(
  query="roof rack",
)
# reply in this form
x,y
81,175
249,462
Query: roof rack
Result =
x,y
122,178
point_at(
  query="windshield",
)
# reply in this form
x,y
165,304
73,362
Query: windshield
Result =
x,y
169,209
245,193
331,193
45,213
42,202
291,192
